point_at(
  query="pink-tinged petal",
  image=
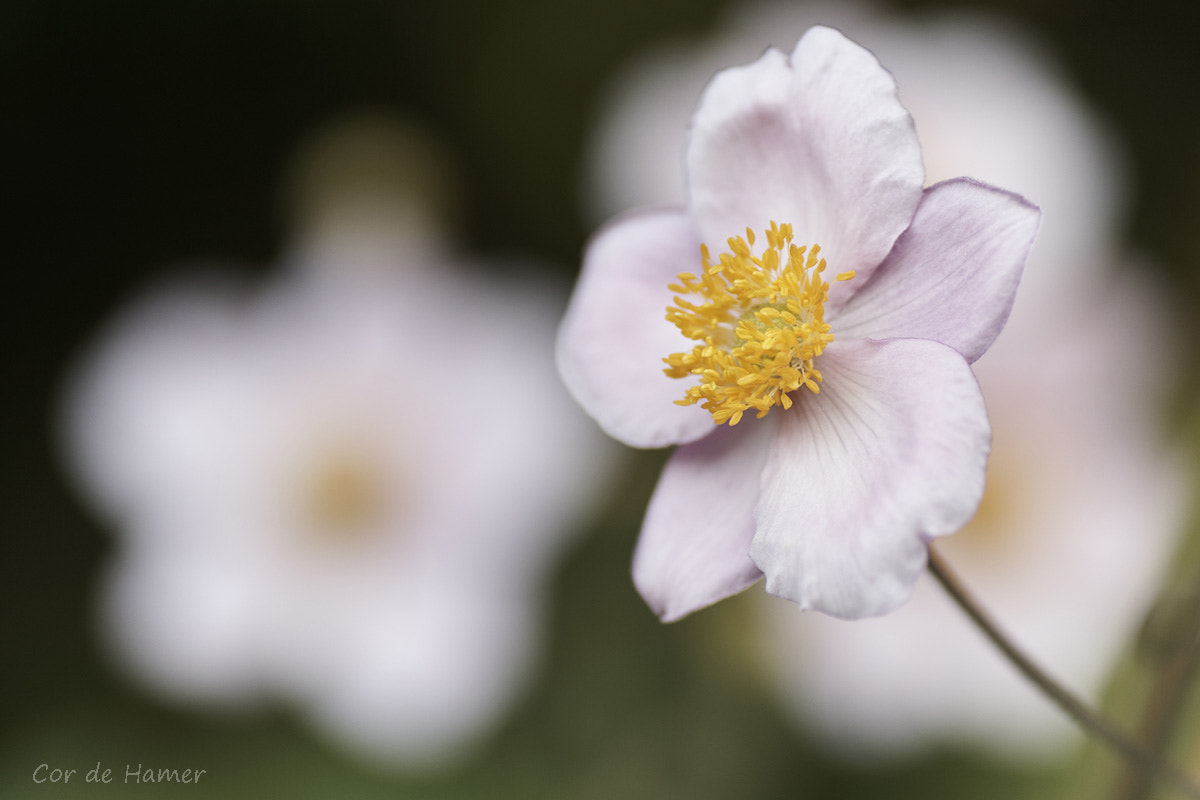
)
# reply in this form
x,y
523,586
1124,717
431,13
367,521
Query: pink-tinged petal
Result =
x,y
891,453
693,549
820,142
953,275
613,339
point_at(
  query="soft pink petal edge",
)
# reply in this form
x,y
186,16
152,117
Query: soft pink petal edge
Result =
x,y
953,275
820,141
859,478
133,418
614,336
693,548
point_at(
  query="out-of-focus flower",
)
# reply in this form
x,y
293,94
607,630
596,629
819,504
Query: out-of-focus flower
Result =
x,y
1082,501
343,488
881,437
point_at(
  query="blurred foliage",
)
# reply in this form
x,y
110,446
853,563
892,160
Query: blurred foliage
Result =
x,y
139,133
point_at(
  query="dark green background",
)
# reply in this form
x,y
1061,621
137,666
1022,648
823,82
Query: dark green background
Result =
x,y
136,134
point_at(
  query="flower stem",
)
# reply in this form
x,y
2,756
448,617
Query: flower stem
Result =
x,y
1146,762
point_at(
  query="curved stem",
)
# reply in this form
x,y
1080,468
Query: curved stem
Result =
x,y
1146,762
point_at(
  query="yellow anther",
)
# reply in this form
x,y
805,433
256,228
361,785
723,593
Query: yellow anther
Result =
x,y
758,323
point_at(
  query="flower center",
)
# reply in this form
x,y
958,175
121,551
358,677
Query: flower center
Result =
x,y
344,494
759,324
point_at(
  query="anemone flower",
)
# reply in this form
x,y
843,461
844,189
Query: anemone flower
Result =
x,y
827,432
1082,494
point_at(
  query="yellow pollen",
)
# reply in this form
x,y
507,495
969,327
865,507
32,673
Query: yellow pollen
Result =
x,y
344,495
759,324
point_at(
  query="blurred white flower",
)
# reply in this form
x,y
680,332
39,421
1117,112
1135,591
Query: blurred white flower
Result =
x,y
1082,502
343,488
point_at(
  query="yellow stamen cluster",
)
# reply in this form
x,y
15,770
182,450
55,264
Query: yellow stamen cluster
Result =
x,y
759,322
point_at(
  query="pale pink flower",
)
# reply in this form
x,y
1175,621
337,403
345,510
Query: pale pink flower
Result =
x,y
343,489
833,495
1083,498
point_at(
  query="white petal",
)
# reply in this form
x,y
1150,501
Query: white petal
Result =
x,y
953,275
695,539
186,621
148,407
416,675
891,453
820,142
613,339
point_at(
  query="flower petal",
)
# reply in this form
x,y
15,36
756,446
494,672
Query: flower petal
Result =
x,y
953,275
696,535
891,453
613,339
820,142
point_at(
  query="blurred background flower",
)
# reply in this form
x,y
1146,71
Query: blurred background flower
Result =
x,y
343,487
139,133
